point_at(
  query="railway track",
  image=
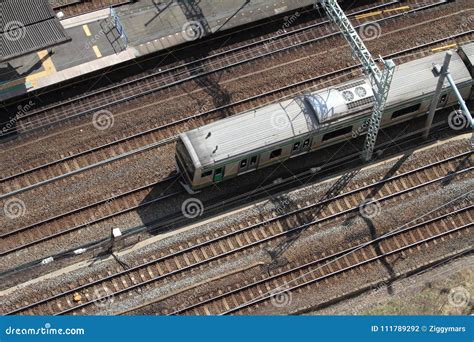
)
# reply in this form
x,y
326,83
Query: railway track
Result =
x,y
188,258
62,223
242,300
157,60
176,75
167,132
74,220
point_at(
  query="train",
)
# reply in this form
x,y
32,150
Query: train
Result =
x,y
273,133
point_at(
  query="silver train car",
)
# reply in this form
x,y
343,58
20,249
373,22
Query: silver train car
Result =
x,y
273,133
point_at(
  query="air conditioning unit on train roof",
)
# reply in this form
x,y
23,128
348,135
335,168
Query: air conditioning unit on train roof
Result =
x,y
334,103
358,94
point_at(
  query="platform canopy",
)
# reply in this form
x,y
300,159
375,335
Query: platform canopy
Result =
x,y
27,26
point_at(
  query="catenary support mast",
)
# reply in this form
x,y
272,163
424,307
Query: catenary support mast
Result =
x,y
380,80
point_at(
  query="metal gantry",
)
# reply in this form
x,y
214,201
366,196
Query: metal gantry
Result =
x,y
380,80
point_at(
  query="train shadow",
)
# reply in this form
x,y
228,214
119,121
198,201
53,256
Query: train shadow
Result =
x,y
160,217
463,164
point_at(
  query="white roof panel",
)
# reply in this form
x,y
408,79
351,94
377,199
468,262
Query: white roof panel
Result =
x,y
250,130
415,79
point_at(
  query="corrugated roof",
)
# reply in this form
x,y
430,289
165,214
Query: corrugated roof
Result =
x,y
251,130
27,26
25,11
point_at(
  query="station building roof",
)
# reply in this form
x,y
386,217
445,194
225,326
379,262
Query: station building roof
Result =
x,y
27,26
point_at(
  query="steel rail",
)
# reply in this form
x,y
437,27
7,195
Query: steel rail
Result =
x,y
317,221
344,71
320,260
161,87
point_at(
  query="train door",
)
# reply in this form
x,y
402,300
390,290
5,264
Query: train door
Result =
x,y
253,162
218,174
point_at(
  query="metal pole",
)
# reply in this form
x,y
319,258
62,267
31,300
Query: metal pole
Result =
x,y
379,104
379,80
461,100
439,87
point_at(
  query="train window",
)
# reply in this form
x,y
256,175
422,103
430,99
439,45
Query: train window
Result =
x,y
253,160
275,153
442,100
296,146
405,111
243,163
206,174
337,133
306,143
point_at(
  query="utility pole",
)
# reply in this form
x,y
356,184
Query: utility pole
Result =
x,y
380,80
443,73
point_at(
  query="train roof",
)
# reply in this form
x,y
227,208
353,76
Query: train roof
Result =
x,y
413,80
251,130
268,125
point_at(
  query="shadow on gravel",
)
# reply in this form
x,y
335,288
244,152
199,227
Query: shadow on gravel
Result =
x,y
304,220
157,206
463,164
370,224
210,85
376,189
